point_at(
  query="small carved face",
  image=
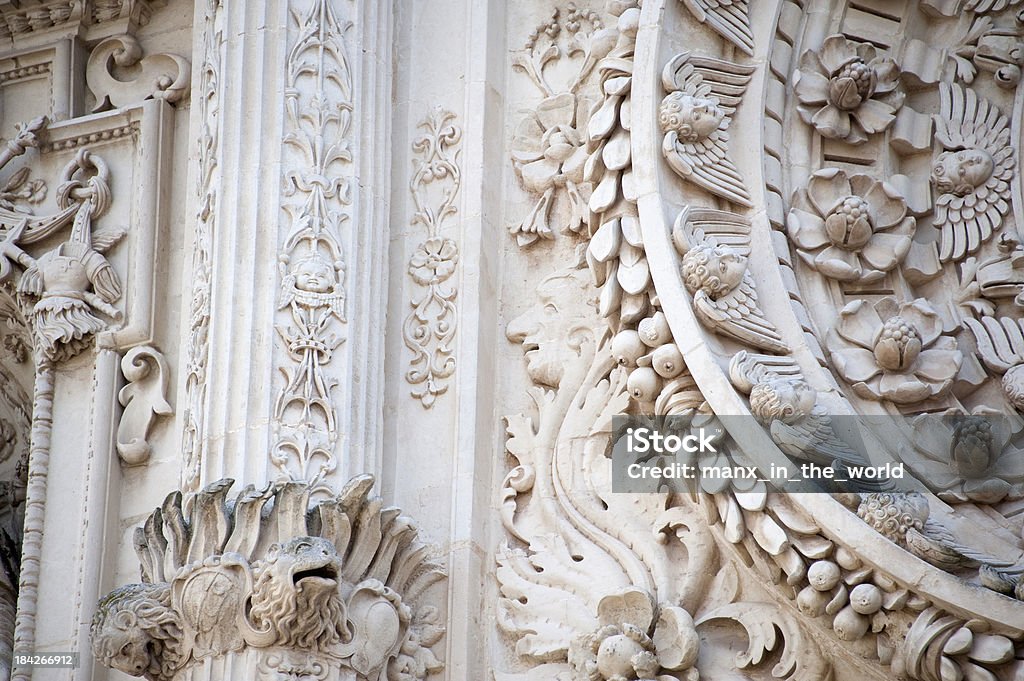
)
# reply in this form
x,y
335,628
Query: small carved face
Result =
x,y
548,331
313,274
691,118
125,645
787,400
715,270
1013,386
961,172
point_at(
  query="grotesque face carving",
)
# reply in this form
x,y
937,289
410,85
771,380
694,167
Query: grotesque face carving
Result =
x,y
296,594
313,274
691,118
961,172
715,270
136,632
551,331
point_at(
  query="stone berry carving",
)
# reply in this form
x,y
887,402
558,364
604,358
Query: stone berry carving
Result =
x,y
636,641
695,117
891,351
850,228
715,247
337,585
972,175
847,91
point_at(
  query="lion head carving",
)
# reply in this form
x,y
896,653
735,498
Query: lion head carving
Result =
x,y
136,631
295,594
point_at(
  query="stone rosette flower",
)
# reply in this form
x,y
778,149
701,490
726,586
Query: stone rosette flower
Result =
x,y
846,90
624,648
549,152
434,261
968,457
895,352
850,228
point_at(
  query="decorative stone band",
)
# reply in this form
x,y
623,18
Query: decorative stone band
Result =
x,y
284,585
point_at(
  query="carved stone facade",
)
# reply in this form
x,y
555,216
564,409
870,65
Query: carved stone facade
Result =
x,y
324,324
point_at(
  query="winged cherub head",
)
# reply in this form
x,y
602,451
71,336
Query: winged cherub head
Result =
x,y
961,172
715,270
784,399
692,118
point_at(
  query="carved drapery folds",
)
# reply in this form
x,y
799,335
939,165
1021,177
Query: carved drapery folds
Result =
x,y
429,329
875,272
294,587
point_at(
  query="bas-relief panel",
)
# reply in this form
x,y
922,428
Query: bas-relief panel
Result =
x,y
789,214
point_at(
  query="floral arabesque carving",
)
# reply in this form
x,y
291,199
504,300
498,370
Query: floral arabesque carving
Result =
x,y
895,352
549,148
973,172
850,228
429,329
318,106
336,580
847,90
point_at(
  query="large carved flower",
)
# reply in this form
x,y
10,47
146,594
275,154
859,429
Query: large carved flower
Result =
x,y
846,90
850,228
434,261
549,152
894,352
968,457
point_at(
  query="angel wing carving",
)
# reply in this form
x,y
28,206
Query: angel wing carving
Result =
x,y
715,245
695,117
729,18
972,175
1000,341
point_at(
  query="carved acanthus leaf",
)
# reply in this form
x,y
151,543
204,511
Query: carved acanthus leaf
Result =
x,y
144,400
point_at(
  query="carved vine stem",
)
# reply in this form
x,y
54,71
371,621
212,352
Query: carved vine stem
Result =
x,y
429,329
35,510
198,348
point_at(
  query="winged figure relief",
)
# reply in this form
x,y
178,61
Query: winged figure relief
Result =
x,y
781,400
972,175
715,246
730,18
695,117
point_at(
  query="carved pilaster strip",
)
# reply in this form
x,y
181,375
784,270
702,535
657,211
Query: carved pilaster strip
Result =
x,y
197,347
35,510
429,329
312,323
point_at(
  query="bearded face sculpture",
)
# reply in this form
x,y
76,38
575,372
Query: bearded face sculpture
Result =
x,y
295,593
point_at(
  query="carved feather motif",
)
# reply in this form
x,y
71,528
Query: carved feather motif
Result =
x,y
695,116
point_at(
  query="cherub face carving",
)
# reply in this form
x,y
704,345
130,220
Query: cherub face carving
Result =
x,y
692,118
715,270
787,400
961,172
550,331
313,274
